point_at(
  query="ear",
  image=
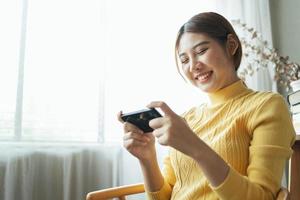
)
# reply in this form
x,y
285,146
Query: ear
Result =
x,y
232,44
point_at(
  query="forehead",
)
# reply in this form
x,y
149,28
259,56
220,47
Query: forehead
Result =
x,y
188,40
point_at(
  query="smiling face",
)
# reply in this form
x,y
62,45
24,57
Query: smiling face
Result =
x,y
205,62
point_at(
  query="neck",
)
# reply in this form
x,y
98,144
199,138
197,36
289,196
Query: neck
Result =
x,y
234,89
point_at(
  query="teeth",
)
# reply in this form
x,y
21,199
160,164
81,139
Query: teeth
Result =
x,y
203,76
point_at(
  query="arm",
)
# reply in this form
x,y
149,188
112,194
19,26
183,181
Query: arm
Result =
x,y
167,181
272,137
212,165
170,131
151,169
142,146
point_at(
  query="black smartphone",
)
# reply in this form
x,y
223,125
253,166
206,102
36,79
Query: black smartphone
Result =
x,y
141,118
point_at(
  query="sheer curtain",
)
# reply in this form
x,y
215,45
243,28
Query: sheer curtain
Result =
x,y
51,88
255,14
35,171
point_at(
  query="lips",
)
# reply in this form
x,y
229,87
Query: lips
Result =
x,y
203,76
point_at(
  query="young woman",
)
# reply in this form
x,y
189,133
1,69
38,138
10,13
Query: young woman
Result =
x,y
234,147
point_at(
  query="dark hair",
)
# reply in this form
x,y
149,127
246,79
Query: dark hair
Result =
x,y
216,27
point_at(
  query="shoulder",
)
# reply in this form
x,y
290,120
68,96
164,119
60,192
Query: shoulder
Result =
x,y
257,106
270,107
260,99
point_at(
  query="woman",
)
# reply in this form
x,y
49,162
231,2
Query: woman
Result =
x,y
234,147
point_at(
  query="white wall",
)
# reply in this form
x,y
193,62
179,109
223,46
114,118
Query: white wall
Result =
x,y
285,18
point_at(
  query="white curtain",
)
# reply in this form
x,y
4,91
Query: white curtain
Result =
x,y
256,14
60,172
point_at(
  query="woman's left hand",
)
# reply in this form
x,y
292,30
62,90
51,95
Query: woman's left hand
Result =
x,y
172,130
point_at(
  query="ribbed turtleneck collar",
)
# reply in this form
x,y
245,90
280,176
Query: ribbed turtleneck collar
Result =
x,y
221,96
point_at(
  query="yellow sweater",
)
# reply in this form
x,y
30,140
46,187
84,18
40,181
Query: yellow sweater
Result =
x,y
251,131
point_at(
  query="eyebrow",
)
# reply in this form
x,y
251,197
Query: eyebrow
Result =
x,y
196,45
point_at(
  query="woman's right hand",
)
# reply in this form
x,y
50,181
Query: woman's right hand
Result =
x,y
139,144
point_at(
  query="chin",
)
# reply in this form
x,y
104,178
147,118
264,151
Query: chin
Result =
x,y
203,88
208,88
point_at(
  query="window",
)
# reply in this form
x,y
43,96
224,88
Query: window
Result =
x,y
10,23
70,66
59,73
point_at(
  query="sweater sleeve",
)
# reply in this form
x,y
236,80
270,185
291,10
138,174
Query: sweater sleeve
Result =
x,y
272,137
169,180
169,176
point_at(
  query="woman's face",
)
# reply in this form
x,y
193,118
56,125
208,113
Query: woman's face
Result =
x,y
206,64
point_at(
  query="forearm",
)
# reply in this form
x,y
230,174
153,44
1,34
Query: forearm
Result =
x,y
213,166
153,178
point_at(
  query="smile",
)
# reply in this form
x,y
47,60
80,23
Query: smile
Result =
x,y
204,76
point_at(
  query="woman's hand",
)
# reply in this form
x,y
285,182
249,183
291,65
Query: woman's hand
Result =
x,y
172,130
139,144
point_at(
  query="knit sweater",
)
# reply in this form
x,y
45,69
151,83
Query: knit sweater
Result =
x,y
252,131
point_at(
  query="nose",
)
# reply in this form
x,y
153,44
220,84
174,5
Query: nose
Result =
x,y
195,65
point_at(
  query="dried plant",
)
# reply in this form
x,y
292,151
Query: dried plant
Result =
x,y
258,54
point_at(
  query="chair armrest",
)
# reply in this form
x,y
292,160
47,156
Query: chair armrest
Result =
x,y
116,192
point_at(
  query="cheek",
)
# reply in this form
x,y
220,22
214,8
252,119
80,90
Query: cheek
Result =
x,y
187,73
216,61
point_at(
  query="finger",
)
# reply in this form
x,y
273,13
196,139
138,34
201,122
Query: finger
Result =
x,y
131,142
135,136
158,133
128,127
162,105
119,114
150,136
156,123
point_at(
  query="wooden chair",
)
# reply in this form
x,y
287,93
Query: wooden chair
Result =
x,y
123,191
116,192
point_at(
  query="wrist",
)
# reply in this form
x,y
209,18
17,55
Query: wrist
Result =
x,y
196,148
149,159
198,151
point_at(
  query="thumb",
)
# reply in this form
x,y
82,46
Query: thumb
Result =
x,y
163,106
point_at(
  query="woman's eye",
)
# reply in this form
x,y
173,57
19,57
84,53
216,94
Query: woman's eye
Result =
x,y
201,51
184,61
